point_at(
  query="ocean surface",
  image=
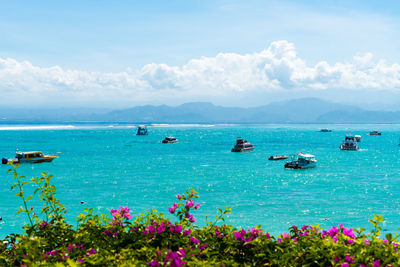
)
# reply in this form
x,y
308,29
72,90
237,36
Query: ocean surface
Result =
x,y
107,166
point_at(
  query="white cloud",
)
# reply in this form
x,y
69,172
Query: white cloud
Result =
x,y
277,68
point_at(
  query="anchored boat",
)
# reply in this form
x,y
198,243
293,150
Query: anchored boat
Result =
x,y
278,157
242,145
141,130
375,133
29,157
169,140
349,143
302,161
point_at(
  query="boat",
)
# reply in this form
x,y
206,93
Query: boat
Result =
x,y
169,140
325,130
357,137
278,157
141,130
301,161
374,133
29,157
349,143
242,145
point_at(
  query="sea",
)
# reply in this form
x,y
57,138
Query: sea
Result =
x,y
105,166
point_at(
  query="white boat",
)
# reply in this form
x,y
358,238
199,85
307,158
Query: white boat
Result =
x,y
302,161
29,157
349,143
357,137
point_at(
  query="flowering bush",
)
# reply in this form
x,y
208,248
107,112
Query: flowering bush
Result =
x,y
150,239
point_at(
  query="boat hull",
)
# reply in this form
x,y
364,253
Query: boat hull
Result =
x,y
168,142
347,148
294,165
277,157
248,149
32,161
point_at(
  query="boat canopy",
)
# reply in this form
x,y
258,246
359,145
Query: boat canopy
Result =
x,y
306,156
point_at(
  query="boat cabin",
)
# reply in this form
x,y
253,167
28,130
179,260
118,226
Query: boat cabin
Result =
x,y
141,130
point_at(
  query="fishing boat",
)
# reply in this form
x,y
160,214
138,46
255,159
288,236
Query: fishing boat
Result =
x,y
242,145
349,143
169,140
374,133
29,157
357,137
301,161
141,130
278,157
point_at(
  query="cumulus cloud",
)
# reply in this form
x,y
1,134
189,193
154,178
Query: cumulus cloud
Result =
x,y
277,68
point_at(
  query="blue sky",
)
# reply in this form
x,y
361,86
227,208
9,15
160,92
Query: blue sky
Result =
x,y
114,37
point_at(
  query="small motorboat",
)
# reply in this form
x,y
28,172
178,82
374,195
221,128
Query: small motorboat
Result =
x,y
242,145
278,157
29,157
169,140
301,161
349,143
325,130
357,137
374,133
141,130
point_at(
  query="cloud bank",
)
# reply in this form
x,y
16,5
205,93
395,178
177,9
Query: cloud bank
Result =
x,y
277,68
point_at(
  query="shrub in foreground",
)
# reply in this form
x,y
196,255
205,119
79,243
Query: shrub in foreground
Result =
x,y
150,239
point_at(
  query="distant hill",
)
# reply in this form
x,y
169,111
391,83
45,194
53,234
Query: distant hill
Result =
x,y
302,110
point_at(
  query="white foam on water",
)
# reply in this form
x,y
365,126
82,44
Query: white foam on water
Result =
x,y
34,127
181,125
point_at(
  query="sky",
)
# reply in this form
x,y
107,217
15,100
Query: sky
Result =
x,y
118,54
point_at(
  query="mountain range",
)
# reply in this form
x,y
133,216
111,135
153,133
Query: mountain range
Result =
x,y
303,110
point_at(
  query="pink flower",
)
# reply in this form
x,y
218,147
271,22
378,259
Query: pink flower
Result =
x,y
154,263
366,242
92,251
349,259
189,204
171,210
295,240
194,240
161,228
351,241
377,263
333,231
179,197
285,235
203,246
345,265
176,229
336,259
349,233
187,232
197,206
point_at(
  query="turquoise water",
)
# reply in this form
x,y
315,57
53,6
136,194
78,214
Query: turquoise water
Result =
x,y
108,166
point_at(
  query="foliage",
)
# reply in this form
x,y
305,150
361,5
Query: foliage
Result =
x,y
150,239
